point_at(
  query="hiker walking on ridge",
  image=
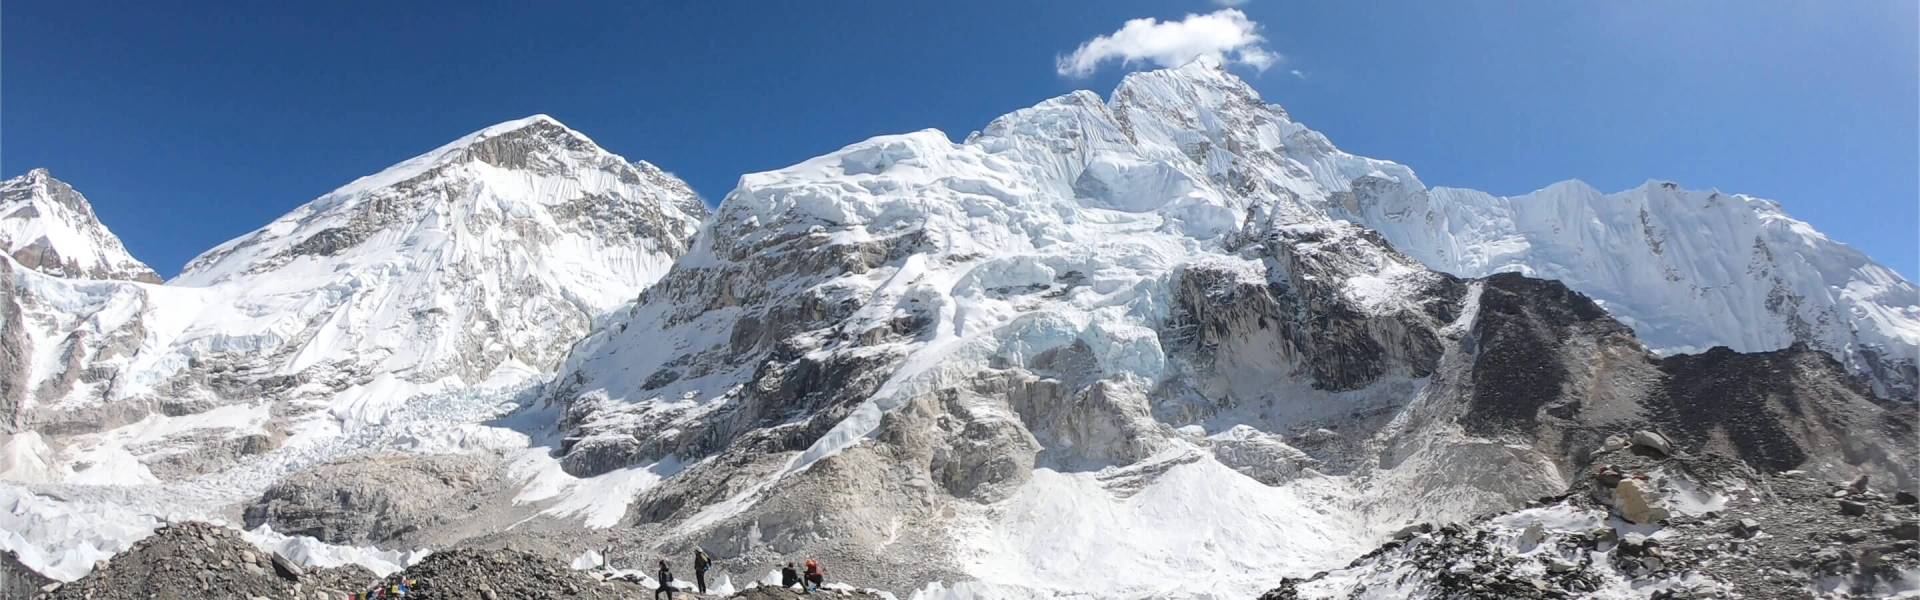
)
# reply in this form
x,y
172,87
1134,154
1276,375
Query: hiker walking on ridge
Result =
x,y
789,577
815,575
666,582
700,563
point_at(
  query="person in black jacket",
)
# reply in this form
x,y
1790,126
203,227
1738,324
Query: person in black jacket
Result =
x,y
666,582
789,577
700,563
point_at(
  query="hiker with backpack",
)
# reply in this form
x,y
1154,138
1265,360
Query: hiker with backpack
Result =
x,y
700,564
815,575
666,582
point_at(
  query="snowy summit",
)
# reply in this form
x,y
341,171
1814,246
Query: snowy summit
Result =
x,y
47,226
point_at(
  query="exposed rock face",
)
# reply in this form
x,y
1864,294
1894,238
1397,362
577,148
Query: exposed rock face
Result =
x,y
1305,319
1550,363
47,226
371,498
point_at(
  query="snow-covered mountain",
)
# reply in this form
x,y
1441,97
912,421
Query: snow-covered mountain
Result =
x,y
476,264
1150,347
47,226
1689,270
1169,343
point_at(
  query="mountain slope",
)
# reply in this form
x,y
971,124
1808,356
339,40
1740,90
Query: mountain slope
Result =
x,y
1689,270
476,264
1125,348
47,226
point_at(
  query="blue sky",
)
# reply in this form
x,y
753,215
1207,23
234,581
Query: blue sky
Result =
x,y
189,123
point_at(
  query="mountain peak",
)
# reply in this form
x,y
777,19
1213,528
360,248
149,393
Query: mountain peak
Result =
x,y
1206,71
1204,63
522,123
39,183
47,226
530,173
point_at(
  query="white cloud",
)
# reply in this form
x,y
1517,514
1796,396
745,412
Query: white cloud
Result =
x,y
1226,35
1297,73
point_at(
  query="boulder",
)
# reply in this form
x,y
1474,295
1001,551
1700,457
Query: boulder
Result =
x,y
1905,497
1411,530
1852,509
1634,544
1532,536
1908,530
1638,502
1653,441
1746,528
1614,443
286,568
1608,478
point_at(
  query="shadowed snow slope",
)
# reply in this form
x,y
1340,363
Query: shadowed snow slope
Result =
x,y
1139,347
47,226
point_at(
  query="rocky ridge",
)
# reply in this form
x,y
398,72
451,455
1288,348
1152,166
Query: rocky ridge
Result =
x,y
198,560
47,226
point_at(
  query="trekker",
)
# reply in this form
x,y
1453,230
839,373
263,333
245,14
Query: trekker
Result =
x,y
789,577
815,575
666,582
700,564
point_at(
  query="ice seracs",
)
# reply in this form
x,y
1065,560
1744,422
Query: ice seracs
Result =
x,y
47,226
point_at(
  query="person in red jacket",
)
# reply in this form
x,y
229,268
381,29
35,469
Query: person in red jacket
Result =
x,y
815,575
